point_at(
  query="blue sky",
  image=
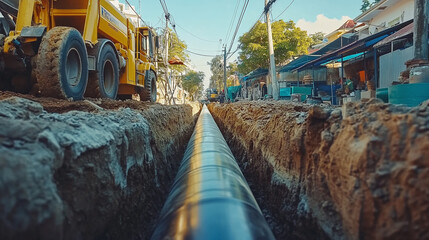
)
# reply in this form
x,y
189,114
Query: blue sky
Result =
x,y
210,20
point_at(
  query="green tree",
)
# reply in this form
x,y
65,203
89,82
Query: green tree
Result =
x,y
176,49
316,38
288,40
232,68
216,67
193,83
365,5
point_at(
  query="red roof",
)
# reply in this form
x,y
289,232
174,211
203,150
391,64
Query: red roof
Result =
x,y
400,33
348,24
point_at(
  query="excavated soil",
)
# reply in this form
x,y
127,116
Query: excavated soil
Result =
x,y
358,172
97,169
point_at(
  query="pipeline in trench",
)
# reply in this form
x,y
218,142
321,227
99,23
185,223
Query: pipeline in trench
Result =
x,y
210,198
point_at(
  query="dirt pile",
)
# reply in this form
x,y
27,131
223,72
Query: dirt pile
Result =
x,y
92,174
358,172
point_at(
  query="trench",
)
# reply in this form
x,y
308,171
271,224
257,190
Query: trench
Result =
x,y
100,170
280,196
320,172
316,172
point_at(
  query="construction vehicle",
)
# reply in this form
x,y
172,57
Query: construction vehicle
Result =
x,y
212,95
75,48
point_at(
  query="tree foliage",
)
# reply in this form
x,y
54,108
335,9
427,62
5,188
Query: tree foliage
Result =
x,y
216,67
316,38
193,83
288,40
366,5
176,49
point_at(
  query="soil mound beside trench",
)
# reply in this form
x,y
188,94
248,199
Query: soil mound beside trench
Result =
x,y
358,172
98,169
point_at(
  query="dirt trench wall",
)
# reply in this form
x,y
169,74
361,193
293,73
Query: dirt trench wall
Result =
x,y
80,175
317,175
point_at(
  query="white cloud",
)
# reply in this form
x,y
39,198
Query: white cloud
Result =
x,y
322,24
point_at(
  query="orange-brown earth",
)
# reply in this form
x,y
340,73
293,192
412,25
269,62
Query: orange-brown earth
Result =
x,y
358,172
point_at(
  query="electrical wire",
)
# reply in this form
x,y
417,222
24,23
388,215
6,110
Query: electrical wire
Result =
x,y
267,8
284,10
240,19
199,54
196,35
238,47
268,5
136,13
170,19
232,21
196,53
207,51
164,7
253,26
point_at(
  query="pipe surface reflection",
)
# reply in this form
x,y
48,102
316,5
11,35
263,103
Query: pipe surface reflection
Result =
x,y
210,198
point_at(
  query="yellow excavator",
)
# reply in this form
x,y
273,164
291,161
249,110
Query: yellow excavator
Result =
x,y
75,48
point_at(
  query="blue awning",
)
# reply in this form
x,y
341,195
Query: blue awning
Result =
x,y
370,43
354,48
255,74
345,58
298,62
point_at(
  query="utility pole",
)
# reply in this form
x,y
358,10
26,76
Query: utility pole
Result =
x,y
166,86
421,28
224,74
274,83
419,65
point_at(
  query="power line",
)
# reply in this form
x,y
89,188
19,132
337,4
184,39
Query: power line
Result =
x,y
164,7
238,47
253,26
240,19
195,35
284,10
268,6
232,21
200,50
196,53
199,54
138,15
168,16
170,19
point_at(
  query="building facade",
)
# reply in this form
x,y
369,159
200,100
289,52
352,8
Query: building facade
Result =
x,y
383,15
128,11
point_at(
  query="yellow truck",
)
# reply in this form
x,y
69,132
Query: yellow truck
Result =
x,y
75,48
212,95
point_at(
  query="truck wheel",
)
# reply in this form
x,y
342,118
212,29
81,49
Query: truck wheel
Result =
x,y
62,67
148,93
104,82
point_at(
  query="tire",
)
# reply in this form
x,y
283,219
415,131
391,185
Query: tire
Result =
x,y
125,96
148,93
62,67
104,82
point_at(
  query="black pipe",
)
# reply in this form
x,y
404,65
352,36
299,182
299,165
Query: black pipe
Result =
x,y
210,198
